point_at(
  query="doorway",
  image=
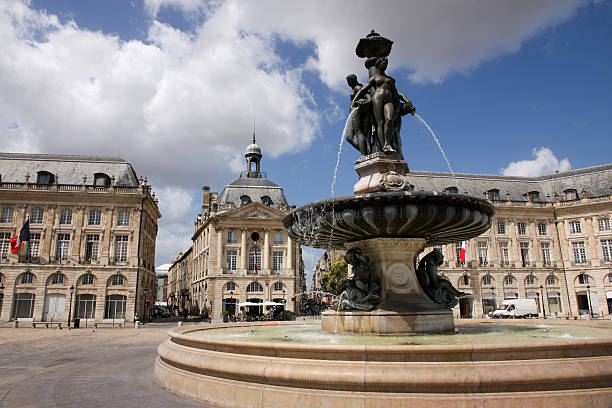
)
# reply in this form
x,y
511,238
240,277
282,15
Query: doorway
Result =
x,y
55,307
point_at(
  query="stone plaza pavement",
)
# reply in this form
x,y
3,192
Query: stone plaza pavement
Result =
x,y
84,368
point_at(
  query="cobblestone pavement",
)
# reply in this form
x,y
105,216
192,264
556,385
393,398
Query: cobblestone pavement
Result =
x,y
84,368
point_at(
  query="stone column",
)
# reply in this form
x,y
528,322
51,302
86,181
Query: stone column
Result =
x,y
290,244
243,250
266,251
220,248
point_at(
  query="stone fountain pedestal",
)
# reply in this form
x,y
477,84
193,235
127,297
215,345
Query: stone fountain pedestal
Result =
x,y
404,307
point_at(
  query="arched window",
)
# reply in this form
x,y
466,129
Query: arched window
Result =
x,y
57,279
87,279
583,279
230,286
508,280
44,177
101,180
254,259
254,287
551,280
278,286
27,278
117,280
486,280
493,194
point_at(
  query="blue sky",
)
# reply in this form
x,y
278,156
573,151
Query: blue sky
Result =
x,y
170,86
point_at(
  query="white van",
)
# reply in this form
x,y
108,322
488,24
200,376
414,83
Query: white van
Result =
x,y
516,308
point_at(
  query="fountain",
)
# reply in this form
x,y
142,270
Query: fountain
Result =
x,y
384,226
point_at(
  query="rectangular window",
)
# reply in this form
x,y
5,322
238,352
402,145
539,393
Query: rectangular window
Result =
x,y
232,257
551,280
94,217
508,280
530,280
541,229
36,216
63,244
121,248
504,253
92,245
277,260
4,245
579,252
123,218
482,253
278,238
606,246
545,246
486,280
604,224
6,215
575,227
85,306
232,237
521,228
65,217
34,245
458,251
525,253
501,227
466,280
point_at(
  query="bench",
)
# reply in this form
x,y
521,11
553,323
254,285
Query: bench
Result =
x,y
47,324
107,324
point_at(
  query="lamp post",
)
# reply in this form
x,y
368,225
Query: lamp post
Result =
x,y
542,298
70,305
493,297
1,296
589,300
144,291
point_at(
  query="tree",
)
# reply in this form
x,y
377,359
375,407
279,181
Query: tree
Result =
x,y
337,274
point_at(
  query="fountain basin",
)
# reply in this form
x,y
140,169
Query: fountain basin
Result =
x,y
234,373
439,218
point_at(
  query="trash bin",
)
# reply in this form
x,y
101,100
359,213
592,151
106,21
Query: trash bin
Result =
x,y
76,323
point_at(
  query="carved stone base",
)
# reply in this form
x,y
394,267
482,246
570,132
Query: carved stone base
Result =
x,y
404,308
379,172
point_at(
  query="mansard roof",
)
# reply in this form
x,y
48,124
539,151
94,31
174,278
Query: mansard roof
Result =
x,y
592,181
68,169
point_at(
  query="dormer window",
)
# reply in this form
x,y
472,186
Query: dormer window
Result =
x,y
451,190
44,177
101,180
570,194
493,195
534,196
266,200
245,199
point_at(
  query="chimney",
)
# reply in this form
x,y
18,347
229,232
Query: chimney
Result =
x,y
205,198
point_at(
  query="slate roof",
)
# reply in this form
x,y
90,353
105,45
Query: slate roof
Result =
x,y
594,181
255,188
68,169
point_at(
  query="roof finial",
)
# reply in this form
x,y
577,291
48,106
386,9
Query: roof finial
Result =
x,y
253,123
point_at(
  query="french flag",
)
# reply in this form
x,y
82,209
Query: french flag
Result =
x,y
24,236
462,252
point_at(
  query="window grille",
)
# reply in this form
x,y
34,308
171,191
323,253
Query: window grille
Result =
x,y
114,307
551,280
65,217
34,245
232,237
583,279
521,228
482,253
254,287
94,217
5,245
63,244
575,227
530,280
278,238
92,244
57,279
606,246
27,278
277,260
486,280
525,253
87,279
545,246
230,286
542,229
85,306
504,253
508,280
123,218
232,256
579,252
117,280
36,216
121,248
501,227
254,259
6,215
278,286
604,224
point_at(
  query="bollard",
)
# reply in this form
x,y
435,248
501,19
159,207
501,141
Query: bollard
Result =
x,y
180,323
15,324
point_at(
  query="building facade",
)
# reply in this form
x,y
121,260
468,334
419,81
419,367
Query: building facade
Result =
x,y
93,226
241,255
550,240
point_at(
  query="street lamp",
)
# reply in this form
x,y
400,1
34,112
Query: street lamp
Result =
x,y
589,300
70,305
542,296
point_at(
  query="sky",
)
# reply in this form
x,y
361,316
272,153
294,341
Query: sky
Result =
x,y
176,88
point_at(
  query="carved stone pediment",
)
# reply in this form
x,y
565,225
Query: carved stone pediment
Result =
x,y
255,210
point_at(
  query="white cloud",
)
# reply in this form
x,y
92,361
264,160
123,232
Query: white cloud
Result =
x,y
545,162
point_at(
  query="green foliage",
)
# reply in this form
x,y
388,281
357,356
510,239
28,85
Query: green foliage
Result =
x,y
332,279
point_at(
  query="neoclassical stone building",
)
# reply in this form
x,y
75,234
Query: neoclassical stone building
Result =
x,y
93,226
241,253
551,240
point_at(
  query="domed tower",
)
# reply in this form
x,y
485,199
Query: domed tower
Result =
x,y
253,159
